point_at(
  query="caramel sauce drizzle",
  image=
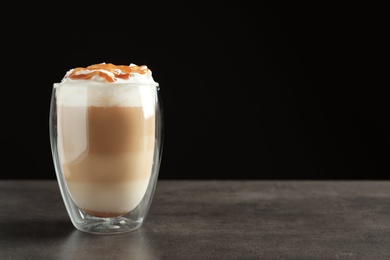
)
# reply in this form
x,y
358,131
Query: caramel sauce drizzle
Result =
x,y
108,71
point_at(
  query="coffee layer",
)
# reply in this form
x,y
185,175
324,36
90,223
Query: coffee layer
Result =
x,y
106,155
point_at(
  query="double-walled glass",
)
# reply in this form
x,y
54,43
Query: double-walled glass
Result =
x,y
106,144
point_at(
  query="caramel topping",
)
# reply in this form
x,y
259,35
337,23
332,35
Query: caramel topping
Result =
x,y
108,71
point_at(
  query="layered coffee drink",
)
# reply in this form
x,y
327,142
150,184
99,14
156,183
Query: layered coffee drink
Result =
x,y
106,136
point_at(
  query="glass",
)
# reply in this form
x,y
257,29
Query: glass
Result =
x,y
106,145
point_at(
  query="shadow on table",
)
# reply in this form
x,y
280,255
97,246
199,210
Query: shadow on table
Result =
x,y
24,238
35,230
132,245
61,239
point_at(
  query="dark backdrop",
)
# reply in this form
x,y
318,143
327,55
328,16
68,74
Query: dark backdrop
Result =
x,y
250,91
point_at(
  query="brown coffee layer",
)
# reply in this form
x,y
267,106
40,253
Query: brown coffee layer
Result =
x,y
113,130
105,144
104,130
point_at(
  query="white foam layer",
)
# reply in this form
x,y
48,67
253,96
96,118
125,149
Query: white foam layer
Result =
x,y
108,197
104,94
137,90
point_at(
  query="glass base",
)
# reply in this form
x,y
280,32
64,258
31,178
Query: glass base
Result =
x,y
114,225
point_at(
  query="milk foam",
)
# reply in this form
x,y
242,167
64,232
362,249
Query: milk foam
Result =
x,y
137,90
104,94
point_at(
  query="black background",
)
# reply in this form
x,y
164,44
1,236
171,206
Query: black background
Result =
x,y
249,90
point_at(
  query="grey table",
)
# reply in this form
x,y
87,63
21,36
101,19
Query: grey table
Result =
x,y
209,220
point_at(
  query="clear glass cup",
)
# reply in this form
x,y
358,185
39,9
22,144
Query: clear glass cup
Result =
x,y
106,145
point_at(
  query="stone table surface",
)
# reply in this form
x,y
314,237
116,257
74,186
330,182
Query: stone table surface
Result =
x,y
209,219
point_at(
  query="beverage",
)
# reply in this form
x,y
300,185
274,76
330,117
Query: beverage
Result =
x,y
106,137
108,169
